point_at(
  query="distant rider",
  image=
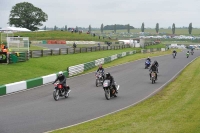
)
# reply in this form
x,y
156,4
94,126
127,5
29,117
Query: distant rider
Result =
x,y
62,79
112,81
101,70
192,50
174,51
188,53
149,59
153,68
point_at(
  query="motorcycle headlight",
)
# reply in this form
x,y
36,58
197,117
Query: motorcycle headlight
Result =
x,y
105,84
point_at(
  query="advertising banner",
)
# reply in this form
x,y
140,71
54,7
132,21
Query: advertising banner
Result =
x,y
3,57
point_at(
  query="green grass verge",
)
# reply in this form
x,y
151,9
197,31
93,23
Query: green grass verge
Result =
x,y
36,67
34,47
156,46
174,109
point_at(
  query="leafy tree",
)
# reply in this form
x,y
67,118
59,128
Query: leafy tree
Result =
x,y
128,28
89,28
118,27
26,15
55,28
65,27
157,27
142,27
101,28
173,28
190,28
115,28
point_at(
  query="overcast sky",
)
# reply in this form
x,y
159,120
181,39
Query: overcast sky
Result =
x,y
83,13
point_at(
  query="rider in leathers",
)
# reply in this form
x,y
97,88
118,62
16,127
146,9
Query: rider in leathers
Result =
x,y
62,80
157,65
153,68
174,51
112,81
101,70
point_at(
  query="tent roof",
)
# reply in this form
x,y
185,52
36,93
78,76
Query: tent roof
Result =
x,y
14,29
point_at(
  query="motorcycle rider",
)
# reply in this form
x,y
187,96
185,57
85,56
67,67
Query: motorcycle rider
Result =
x,y
101,70
192,50
157,65
148,59
174,51
188,53
112,81
153,68
62,79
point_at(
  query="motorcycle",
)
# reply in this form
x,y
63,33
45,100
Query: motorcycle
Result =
x,y
99,79
153,77
174,55
192,52
108,89
147,64
59,91
187,55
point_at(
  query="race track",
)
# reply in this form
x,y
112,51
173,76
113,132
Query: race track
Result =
x,y
35,111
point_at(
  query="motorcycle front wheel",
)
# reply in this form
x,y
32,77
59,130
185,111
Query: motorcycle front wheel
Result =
x,y
67,95
153,80
107,94
97,83
56,95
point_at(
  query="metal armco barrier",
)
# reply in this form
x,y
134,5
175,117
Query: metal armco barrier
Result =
x,y
62,51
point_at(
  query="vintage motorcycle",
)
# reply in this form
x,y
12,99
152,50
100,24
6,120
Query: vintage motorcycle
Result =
x,y
59,91
147,64
174,55
108,89
187,54
99,79
153,77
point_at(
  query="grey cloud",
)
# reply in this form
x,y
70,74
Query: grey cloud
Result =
x,y
82,13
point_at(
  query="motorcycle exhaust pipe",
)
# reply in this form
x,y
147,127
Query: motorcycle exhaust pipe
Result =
x,y
118,87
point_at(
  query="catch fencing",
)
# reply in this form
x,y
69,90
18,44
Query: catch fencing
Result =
x,y
64,51
152,50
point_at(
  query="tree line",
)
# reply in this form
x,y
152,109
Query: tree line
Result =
x,y
28,16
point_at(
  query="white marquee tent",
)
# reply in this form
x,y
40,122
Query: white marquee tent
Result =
x,y
15,29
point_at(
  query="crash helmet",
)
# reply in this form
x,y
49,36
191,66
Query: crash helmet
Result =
x,y
60,73
107,74
100,66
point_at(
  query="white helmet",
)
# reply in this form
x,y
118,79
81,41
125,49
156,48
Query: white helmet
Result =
x,y
60,73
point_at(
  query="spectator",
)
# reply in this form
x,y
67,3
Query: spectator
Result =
x,y
74,45
5,49
2,46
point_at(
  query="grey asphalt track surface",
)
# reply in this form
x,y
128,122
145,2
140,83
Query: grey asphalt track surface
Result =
x,y
52,46
35,111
